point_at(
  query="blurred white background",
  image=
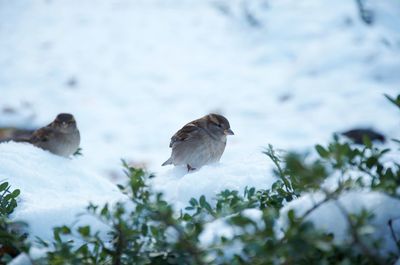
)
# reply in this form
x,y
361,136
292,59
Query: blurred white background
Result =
x,y
133,72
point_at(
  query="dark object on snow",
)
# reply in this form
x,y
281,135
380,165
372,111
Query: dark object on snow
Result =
x,y
285,97
366,14
251,19
15,134
357,135
72,82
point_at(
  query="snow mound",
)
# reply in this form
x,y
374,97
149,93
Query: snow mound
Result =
x,y
53,189
179,186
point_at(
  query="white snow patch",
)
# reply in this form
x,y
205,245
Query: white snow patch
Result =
x,y
179,186
21,259
53,189
213,231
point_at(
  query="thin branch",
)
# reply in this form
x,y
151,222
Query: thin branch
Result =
x,y
270,152
316,206
395,239
119,245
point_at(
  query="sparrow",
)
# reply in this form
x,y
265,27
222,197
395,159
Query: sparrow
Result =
x,y
61,137
200,142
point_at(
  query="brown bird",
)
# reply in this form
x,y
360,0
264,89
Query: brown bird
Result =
x,y
200,142
61,137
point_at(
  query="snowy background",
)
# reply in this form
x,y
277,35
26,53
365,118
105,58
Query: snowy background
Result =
x,y
135,71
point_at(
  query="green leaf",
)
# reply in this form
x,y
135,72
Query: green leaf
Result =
x,y
16,193
208,207
104,211
154,231
186,217
291,215
202,201
3,186
371,162
193,202
83,249
367,141
65,230
395,101
396,140
41,242
56,235
144,229
322,151
84,231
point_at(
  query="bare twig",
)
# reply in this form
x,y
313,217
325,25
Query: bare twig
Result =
x,y
316,206
395,239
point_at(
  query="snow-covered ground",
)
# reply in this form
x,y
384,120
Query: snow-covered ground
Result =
x,y
135,71
54,190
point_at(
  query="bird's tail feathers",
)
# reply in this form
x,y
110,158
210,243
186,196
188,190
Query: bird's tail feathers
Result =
x,y
17,140
21,140
168,162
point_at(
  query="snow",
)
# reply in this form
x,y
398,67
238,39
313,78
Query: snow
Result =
x,y
213,231
179,187
22,259
54,190
134,72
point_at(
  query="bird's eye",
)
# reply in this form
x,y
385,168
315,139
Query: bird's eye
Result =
x,y
219,125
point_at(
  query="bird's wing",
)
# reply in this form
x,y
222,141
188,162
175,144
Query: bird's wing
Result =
x,y
42,135
188,131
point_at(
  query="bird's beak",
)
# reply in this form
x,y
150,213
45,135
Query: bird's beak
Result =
x,y
64,124
229,132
